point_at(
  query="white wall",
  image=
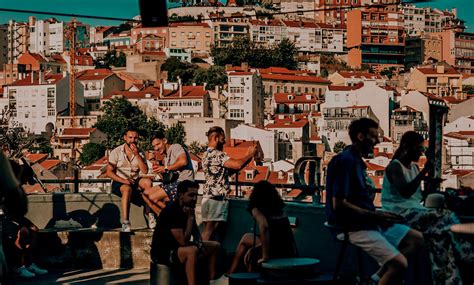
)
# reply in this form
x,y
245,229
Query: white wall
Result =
x,y
267,139
460,124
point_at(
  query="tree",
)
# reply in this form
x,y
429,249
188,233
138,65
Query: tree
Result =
x,y
112,58
176,134
196,148
389,72
177,68
242,49
119,115
339,146
214,76
469,89
91,152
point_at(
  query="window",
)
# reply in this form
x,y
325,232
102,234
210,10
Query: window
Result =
x,y
236,113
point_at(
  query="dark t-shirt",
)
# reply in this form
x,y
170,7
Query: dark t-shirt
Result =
x,y
347,179
172,217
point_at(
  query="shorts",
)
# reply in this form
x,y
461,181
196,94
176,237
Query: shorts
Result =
x,y
171,189
136,198
383,244
214,210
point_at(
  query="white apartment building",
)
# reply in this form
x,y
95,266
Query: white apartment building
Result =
x,y
46,36
268,32
268,139
171,101
460,124
37,99
306,9
245,97
419,21
17,40
330,38
293,138
351,78
460,149
364,94
303,34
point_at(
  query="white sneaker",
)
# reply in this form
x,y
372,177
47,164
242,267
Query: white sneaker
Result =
x,y
24,273
36,270
151,220
223,280
126,227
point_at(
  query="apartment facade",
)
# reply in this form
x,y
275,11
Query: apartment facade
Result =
x,y
228,29
439,79
196,36
46,36
17,40
245,100
267,32
375,37
37,99
97,84
406,119
458,50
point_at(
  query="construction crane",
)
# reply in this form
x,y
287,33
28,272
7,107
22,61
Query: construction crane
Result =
x,y
71,34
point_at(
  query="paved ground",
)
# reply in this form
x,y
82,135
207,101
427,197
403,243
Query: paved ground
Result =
x,y
89,277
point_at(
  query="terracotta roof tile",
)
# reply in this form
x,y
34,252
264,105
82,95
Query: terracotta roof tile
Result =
x,y
49,79
35,157
287,125
189,24
77,132
374,167
296,78
50,163
94,74
359,74
260,173
345,88
430,71
282,98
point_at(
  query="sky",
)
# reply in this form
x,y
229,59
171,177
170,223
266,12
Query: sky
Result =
x,y
129,9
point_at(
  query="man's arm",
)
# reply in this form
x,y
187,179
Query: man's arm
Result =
x,y
238,164
110,172
183,236
363,214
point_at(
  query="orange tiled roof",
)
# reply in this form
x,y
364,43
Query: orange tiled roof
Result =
x,y
189,24
284,125
300,24
463,135
272,22
196,92
94,74
431,71
282,98
273,177
297,78
239,150
461,172
359,74
50,163
35,157
260,173
77,132
374,167
345,88
49,79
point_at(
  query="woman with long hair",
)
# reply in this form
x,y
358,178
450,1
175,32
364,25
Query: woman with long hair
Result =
x,y
275,239
401,194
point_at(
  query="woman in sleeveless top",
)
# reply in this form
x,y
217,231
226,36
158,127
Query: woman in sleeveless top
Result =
x,y
276,237
401,194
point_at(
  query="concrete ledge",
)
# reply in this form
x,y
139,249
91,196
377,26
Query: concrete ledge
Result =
x,y
95,249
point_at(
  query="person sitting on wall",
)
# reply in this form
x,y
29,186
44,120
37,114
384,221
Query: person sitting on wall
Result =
x,y
126,162
275,239
172,243
349,206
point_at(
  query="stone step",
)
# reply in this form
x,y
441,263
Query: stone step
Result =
x,y
94,249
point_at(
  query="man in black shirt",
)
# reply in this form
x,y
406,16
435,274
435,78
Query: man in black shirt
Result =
x,y
172,238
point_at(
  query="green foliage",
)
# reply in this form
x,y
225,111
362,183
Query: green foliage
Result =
x,y
389,72
339,146
186,18
177,68
242,49
469,89
91,152
111,58
191,73
214,76
196,148
123,27
119,115
176,134
41,145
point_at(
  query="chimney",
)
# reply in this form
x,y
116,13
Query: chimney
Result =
x,y
293,118
232,142
204,86
32,77
244,66
162,86
64,73
180,87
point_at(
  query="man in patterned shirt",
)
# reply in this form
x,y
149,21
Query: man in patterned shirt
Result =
x,y
216,165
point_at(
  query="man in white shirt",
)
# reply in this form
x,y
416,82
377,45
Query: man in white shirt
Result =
x,y
126,163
